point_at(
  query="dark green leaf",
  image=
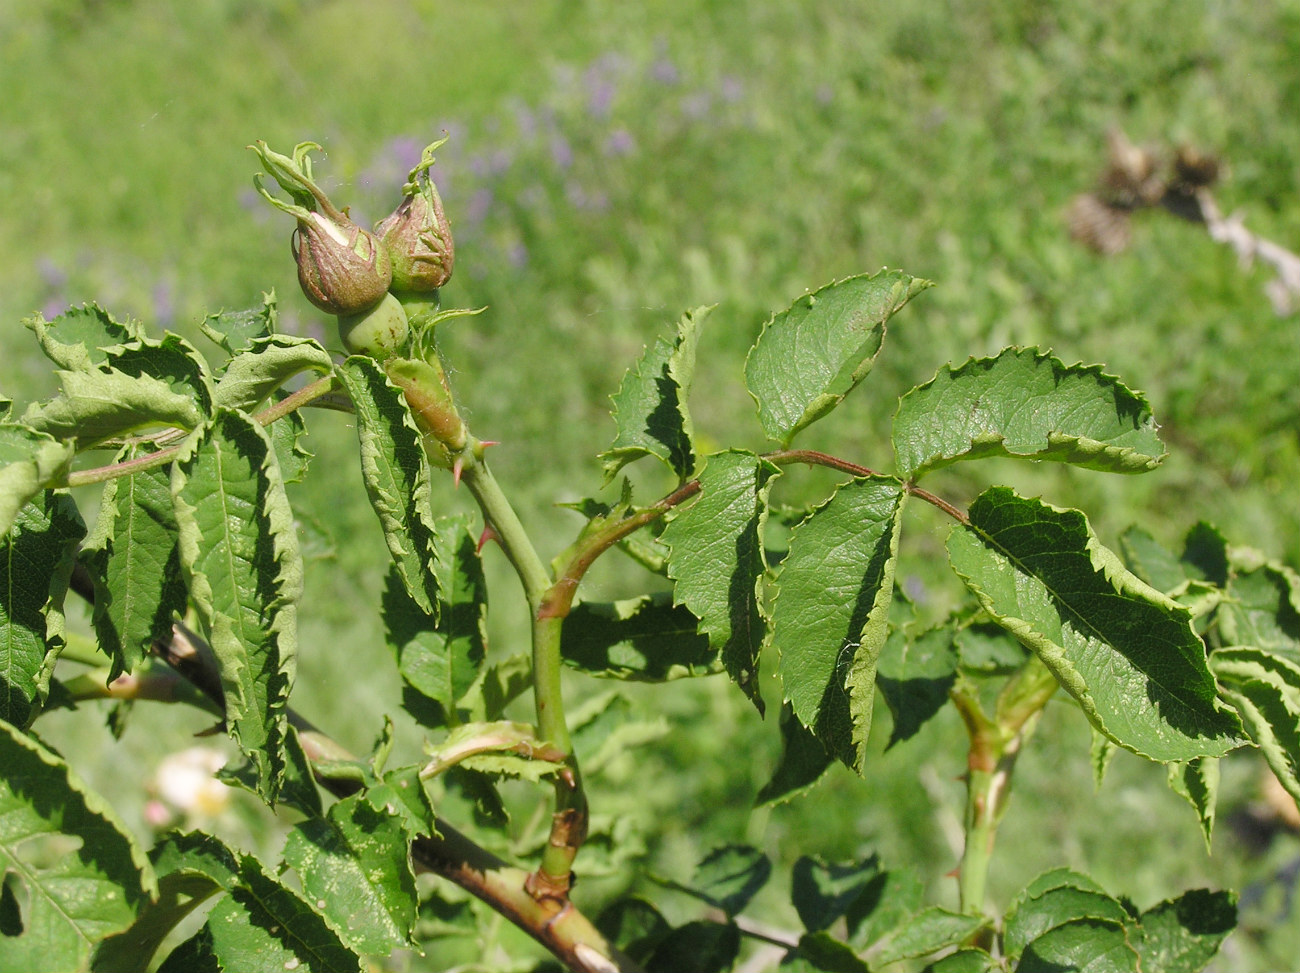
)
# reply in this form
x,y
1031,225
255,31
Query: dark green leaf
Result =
x,y
1128,655
650,406
811,355
646,639
1158,567
697,947
396,472
884,905
984,648
803,761
717,561
822,892
819,952
240,555
914,676
964,961
29,461
1205,554
728,877
36,559
1082,945
1265,689
1027,404
78,876
1034,915
635,926
1182,935
830,618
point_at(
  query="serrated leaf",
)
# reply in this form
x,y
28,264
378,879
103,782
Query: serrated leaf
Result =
x,y
831,614
1034,915
261,926
1084,945
1157,566
240,555
1029,405
1182,935
78,338
264,365
803,761
650,407
1197,782
925,932
811,355
646,639
1265,689
134,558
100,405
396,473
728,877
298,788
235,331
29,461
1205,554
287,433
354,864
824,891
169,359
1260,610
36,559
440,656
1127,654
914,675
79,876
717,560
501,747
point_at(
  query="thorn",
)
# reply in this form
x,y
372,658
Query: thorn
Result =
x,y
457,467
485,443
489,534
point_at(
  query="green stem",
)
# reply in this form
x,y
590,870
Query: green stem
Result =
x,y
505,523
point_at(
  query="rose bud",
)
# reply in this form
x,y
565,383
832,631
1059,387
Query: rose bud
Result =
x,y
417,235
342,268
380,332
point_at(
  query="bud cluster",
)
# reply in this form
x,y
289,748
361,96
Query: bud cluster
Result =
x,y
365,277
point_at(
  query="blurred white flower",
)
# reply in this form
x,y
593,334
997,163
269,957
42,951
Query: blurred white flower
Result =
x,y
186,781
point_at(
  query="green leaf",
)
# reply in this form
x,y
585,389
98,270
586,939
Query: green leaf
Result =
x,y
634,925
1182,935
1265,689
240,556
235,331
925,932
830,618
646,639
100,405
914,675
78,338
266,364
964,961
261,926
1197,782
169,359
1205,554
650,407
29,461
803,761
1036,913
75,875
298,789
1085,945
822,892
396,472
1127,654
811,355
440,656
819,952
500,748
696,947
134,558
355,865
1262,609
603,729
884,905
36,559
717,560
287,433
1025,404
1157,566
728,877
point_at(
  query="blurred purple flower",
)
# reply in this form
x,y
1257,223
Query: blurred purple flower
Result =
x,y
620,142
732,88
479,205
53,308
164,303
664,71
561,152
600,97
696,106
579,198
517,255
51,273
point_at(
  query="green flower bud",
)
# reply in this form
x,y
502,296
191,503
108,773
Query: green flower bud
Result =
x,y
342,268
380,332
417,235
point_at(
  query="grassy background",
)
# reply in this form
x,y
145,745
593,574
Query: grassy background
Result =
x,y
611,165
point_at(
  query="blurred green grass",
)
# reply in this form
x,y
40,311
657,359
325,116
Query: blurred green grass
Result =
x,y
611,165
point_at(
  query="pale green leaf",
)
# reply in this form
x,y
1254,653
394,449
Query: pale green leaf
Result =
x,y
76,875
717,560
1262,609
134,558
1053,900
1182,935
646,639
1127,654
440,656
240,556
925,932
965,961
36,559
100,405
235,331
1146,558
1026,404
78,338
1265,689
604,728
1197,782
266,364
1082,945
650,407
811,355
830,617
396,473
354,865
29,461
169,359
500,747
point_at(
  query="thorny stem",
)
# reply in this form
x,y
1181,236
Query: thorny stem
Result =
x,y
278,410
814,458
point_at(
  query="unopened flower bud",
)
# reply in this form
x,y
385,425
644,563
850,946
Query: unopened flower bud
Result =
x,y
380,332
342,268
417,235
